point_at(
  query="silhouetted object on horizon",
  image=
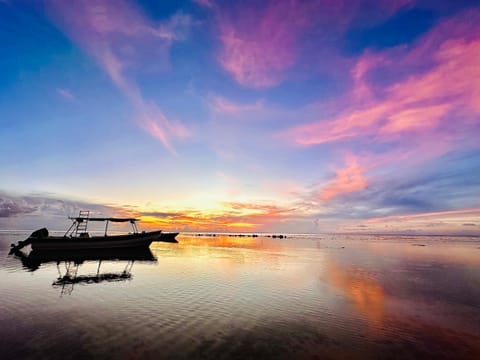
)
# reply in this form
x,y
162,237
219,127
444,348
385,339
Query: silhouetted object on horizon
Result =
x,y
243,235
77,237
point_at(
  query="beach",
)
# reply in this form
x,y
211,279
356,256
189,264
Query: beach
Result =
x,y
304,296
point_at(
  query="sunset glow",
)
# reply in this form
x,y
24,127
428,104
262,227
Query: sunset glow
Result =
x,y
294,116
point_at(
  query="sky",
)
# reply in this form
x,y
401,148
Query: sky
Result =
x,y
299,116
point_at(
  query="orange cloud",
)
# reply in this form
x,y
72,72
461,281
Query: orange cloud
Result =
x,y
233,216
348,179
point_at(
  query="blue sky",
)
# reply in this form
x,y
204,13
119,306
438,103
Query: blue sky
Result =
x,y
298,116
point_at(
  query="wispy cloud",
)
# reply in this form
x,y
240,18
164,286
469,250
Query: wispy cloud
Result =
x,y
417,106
206,3
259,42
433,214
121,39
436,222
66,94
221,105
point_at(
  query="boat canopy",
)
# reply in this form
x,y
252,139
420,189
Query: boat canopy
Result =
x,y
80,219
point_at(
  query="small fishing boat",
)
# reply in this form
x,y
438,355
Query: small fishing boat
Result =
x,y
77,237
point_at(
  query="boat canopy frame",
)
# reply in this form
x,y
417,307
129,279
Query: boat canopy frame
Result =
x,y
76,221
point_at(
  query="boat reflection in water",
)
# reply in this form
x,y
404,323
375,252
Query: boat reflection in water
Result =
x,y
69,263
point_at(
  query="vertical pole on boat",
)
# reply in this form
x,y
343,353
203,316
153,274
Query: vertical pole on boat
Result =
x,y
106,227
134,226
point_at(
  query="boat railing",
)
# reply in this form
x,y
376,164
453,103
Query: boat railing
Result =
x,y
80,224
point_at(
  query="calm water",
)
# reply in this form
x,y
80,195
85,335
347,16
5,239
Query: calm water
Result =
x,y
222,297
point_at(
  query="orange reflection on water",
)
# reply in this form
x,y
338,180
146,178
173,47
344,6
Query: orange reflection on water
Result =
x,y
365,292
231,257
226,241
222,252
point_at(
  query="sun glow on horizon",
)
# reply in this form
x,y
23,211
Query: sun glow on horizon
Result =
x,y
191,116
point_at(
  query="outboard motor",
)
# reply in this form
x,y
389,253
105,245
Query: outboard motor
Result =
x,y
40,234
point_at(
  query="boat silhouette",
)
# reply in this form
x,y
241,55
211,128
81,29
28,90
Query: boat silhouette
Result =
x,y
77,237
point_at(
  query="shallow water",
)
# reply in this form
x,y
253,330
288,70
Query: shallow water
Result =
x,y
223,297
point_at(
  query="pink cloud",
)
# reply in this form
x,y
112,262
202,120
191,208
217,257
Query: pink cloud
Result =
x,y
260,44
415,119
367,62
121,39
420,106
152,120
261,41
349,179
219,104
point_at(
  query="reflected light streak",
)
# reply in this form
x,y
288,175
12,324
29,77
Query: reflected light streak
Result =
x,y
366,293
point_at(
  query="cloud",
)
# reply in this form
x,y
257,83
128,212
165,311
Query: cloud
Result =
x,y
406,107
206,3
122,40
10,207
394,190
159,214
66,94
231,216
219,104
347,180
422,105
262,42
33,211
259,42
51,205
447,214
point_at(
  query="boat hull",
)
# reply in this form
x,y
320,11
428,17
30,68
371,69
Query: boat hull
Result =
x,y
140,240
168,237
